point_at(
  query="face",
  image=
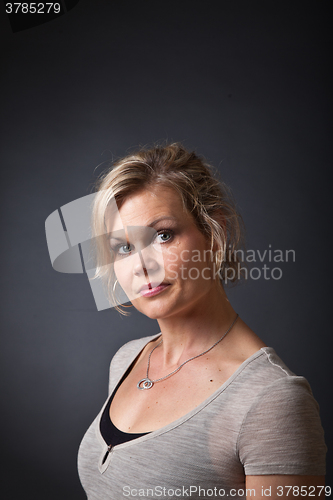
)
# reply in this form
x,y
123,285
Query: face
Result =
x,y
162,261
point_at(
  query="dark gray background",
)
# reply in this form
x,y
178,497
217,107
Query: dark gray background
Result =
x,y
245,83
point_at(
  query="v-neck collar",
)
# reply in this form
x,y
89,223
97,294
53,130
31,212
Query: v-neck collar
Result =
x,y
179,421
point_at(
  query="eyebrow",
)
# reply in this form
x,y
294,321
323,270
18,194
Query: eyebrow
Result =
x,y
117,239
112,237
164,217
152,224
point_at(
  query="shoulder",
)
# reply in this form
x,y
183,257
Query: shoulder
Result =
x,y
275,392
266,364
264,370
281,430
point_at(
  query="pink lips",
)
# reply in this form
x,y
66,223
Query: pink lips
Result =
x,y
151,290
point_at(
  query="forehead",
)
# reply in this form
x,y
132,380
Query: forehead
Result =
x,y
144,207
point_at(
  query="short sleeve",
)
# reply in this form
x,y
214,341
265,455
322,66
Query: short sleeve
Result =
x,y
282,433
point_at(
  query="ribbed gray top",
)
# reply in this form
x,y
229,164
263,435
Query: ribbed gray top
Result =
x,y
262,420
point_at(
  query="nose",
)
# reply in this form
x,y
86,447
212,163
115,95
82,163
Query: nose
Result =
x,y
146,262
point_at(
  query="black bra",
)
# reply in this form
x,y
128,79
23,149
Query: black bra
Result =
x,y
111,435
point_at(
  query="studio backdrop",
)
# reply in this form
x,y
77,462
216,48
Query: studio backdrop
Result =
x,y
245,84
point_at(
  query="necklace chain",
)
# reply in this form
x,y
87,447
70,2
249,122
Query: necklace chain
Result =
x,y
147,383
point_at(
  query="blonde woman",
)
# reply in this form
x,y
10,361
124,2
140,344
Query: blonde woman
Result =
x,y
203,408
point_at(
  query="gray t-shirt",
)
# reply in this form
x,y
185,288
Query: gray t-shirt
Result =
x,y
262,420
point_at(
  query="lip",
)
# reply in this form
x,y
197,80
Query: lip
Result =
x,y
153,289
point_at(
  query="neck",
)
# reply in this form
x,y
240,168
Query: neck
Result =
x,y
194,331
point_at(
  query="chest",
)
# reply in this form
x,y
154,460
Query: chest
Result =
x,y
134,410
203,443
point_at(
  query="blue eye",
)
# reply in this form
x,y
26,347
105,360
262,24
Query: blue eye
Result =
x,y
164,236
124,249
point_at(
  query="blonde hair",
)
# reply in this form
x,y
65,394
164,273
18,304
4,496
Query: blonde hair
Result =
x,y
209,201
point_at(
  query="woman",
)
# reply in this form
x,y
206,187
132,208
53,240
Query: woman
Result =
x,y
204,408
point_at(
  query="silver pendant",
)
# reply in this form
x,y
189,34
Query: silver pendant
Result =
x,y
145,383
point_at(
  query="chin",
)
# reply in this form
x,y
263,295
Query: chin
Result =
x,y
152,310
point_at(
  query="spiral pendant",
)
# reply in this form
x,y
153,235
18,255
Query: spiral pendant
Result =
x,y
145,383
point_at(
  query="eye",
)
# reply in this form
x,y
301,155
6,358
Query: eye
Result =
x,y
164,236
121,250
124,249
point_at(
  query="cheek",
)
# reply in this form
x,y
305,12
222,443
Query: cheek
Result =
x,y
187,256
172,259
123,273
193,266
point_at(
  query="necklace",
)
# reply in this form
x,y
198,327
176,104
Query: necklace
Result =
x,y
147,383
